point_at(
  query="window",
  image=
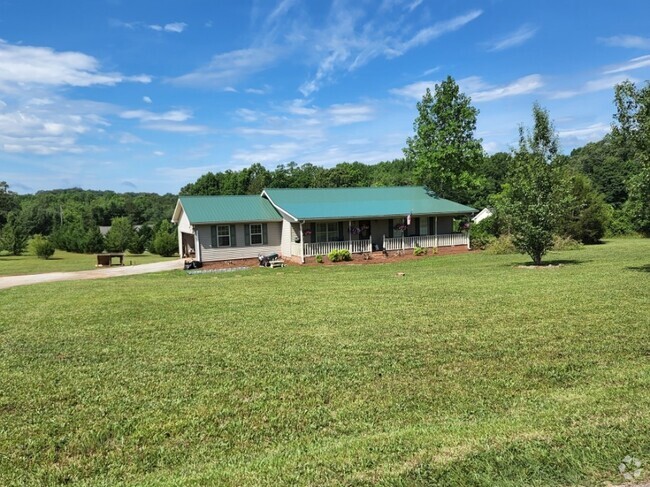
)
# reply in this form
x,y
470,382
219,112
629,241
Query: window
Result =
x,y
256,237
327,232
223,235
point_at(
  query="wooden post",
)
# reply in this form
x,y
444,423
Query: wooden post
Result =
x,y
302,245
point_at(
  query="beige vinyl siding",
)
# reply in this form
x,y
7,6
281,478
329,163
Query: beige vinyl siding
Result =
x,y
240,251
183,227
286,238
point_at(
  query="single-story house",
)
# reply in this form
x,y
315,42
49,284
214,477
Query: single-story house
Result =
x,y
299,223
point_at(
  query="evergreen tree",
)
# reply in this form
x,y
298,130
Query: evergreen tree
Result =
x,y
120,234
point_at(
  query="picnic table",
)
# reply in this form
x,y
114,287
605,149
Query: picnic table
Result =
x,y
107,259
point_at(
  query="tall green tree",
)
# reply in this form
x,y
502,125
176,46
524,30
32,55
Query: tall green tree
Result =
x,y
632,132
8,202
535,197
444,149
14,236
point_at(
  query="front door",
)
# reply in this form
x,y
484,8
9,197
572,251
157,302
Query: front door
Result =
x,y
364,233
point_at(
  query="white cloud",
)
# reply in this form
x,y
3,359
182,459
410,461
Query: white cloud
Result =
x,y
347,113
146,99
299,106
635,63
274,153
516,38
629,41
247,115
176,127
258,91
476,88
521,86
147,116
176,27
43,66
49,126
158,153
228,68
591,86
585,134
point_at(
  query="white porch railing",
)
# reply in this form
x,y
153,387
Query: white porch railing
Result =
x,y
426,241
324,248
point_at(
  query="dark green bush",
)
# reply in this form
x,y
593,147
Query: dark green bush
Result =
x,y
164,241
481,235
319,259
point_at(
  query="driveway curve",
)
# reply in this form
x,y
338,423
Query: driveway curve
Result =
x,y
102,273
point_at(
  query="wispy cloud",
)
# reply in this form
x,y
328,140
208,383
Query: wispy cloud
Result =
x,y
344,114
632,64
147,116
629,41
476,88
424,36
516,38
600,84
29,65
521,86
228,68
585,134
350,43
176,27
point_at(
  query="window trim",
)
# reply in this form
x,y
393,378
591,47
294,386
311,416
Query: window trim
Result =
x,y
251,234
331,235
220,236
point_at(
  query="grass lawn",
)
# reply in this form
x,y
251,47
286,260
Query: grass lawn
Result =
x,y
466,371
11,265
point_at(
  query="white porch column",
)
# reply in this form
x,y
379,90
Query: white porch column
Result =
x,y
197,246
436,231
467,237
302,245
350,235
370,243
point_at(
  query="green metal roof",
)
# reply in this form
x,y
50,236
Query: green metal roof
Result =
x,y
228,209
355,203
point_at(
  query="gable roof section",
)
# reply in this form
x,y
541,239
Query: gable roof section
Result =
x,y
356,203
226,209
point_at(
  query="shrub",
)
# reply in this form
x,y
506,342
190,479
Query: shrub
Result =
x,y
319,259
338,255
164,242
502,245
419,251
41,247
620,223
566,243
481,234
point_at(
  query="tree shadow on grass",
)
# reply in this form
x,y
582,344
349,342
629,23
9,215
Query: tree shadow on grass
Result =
x,y
552,263
641,268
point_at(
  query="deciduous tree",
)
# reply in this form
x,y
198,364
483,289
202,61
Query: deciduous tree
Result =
x,y
444,149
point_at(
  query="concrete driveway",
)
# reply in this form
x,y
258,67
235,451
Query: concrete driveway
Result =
x,y
102,273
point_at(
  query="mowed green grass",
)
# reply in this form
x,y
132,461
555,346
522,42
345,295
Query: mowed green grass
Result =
x,y
466,371
61,261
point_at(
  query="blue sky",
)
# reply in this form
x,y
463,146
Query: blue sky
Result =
x,y
147,96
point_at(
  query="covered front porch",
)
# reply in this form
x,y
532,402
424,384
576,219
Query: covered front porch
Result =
x,y
309,239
